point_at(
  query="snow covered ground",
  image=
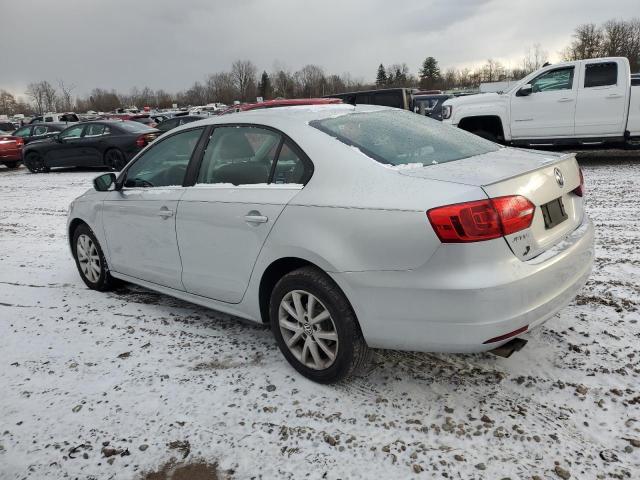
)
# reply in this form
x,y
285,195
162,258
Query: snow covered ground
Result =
x,y
158,378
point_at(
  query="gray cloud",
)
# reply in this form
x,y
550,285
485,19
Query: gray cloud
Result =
x,y
170,44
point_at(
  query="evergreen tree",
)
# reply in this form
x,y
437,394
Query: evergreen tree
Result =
x,y
264,86
381,78
429,73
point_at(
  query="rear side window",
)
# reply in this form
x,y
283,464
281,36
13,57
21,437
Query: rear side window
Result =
x,y
239,156
39,130
290,167
398,137
600,74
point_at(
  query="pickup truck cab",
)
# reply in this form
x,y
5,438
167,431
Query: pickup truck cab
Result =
x,y
585,102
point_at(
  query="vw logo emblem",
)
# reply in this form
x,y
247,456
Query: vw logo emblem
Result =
x,y
559,177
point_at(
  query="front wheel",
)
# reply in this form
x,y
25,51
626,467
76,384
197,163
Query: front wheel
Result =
x,y
90,259
315,326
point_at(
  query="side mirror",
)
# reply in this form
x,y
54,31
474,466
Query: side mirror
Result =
x,y
525,90
104,182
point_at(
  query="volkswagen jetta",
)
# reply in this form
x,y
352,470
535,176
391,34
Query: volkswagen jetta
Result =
x,y
344,228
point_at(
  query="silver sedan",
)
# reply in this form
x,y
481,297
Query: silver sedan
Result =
x,y
344,228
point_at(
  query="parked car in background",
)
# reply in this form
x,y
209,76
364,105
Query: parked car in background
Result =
x,y
386,97
68,117
6,126
110,143
39,131
145,120
585,102
430,105
344,228
281,102
174,122
10,150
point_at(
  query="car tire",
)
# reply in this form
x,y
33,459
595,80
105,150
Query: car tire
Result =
x,y
33,161
12,165
319,337
90,259
115,159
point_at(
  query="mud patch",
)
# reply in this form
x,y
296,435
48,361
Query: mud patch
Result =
x,y
191,471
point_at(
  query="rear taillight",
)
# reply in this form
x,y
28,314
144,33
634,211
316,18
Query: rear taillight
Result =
x,y
482,219
141,141
579,190
19,142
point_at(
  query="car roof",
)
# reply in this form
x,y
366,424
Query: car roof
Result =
x,y
285,118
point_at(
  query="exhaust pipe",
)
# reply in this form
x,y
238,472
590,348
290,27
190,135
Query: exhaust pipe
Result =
x,y
506,350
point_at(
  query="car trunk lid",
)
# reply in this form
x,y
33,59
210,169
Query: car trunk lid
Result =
x,y
547,179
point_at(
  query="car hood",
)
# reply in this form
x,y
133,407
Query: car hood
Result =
x,y
488,168
472,99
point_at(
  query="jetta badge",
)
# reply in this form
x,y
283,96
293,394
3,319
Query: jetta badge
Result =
x,y
559,177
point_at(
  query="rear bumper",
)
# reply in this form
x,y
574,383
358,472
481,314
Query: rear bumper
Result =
x,y
10,155
467,294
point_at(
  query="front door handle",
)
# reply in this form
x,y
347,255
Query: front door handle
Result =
x,y
565,100
614,95
255,217
164,212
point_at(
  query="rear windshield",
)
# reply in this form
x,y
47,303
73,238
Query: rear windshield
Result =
x,y
134,127
398,137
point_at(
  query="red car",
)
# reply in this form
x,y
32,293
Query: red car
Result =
x,y
283,102
11,150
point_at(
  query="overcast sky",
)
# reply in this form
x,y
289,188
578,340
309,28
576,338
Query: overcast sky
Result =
x,y
170,44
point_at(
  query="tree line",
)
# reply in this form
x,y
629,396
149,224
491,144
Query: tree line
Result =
x,y
243,82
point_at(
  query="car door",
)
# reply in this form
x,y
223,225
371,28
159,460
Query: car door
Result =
x,y
140,219
93,143
66,149
549,111
247,176
602,100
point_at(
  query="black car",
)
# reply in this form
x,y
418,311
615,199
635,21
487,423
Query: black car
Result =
x,y
7,127
387,97
177,121
110,143
39,131
430,105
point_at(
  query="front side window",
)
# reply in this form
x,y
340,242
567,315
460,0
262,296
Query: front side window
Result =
x,y
165,163
398,137
600,74
559,79
239,156
73,132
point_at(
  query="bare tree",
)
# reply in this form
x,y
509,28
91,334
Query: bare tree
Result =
x,y
66,100
587,43
221,87
534,58
7,103
244,74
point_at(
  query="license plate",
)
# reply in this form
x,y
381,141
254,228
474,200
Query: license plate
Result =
x,y
553,213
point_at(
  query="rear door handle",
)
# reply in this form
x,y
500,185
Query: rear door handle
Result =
x,y
255,218
565,100
164,212
614,95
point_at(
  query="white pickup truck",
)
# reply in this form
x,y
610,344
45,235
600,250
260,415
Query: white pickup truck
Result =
x,y
586,102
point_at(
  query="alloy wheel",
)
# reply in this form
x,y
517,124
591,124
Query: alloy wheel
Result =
x,y
88,258
308,329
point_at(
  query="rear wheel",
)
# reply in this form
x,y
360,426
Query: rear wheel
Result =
x,y
115,159
15,164
90,259
315,327
35,163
